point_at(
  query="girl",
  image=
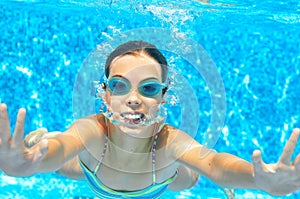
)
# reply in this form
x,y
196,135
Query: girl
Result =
x,y
130,153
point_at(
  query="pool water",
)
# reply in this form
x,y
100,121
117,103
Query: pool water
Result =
x,y
254,46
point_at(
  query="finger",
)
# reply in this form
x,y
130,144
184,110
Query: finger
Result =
x,y
43,130
289,147
296,162
34,137
4,124
19,128
257,160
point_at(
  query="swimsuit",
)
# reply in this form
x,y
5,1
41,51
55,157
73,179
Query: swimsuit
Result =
x,y
102,191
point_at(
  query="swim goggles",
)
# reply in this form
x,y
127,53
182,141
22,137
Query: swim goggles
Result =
x,y
147,88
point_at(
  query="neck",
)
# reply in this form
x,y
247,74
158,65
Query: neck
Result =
x,y
133,140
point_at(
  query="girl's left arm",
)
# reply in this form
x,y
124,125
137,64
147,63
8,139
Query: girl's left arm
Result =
x,y
231,171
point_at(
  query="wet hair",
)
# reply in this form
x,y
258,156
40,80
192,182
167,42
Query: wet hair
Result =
x,y
133,47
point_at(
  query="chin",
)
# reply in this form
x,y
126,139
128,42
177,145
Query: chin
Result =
x,y
133,130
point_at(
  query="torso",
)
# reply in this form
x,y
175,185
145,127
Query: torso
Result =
x,y
121,170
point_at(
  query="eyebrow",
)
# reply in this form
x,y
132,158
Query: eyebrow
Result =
x,y
147,79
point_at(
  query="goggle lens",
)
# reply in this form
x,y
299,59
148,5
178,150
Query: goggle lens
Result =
x,y
119,86
149,89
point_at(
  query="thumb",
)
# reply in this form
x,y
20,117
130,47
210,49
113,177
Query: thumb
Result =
x,y
257,160
41,150
256,157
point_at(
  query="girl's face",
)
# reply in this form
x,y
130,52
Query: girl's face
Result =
x,y
137,94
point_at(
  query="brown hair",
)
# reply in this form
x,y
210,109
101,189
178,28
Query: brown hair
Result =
x,y
131,47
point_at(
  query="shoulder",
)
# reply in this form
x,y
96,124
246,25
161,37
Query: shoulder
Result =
x,y
88,128
91,122
184,148
176,141
174,134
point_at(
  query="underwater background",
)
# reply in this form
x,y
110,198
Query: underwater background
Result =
x,y
254,47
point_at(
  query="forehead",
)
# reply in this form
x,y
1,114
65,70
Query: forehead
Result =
x,y
138,66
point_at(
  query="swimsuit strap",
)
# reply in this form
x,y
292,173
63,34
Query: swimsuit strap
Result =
x,y
103,151
153,157
154,152
102,156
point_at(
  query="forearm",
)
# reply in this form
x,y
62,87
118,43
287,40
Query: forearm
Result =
x,y
60,150
232,171
54,158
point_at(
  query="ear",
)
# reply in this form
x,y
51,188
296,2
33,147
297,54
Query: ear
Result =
x,y
164,90
103,85
164,96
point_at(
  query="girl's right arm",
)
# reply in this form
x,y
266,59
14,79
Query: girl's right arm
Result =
x,y
46,156
67,145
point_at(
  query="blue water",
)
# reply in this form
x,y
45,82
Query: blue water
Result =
x,y
254,45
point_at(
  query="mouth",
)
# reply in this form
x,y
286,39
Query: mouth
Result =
x,y
133,118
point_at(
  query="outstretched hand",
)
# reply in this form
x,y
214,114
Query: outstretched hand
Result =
x,y
15,158
283,177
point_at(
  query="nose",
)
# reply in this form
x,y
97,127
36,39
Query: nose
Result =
x,y
133,99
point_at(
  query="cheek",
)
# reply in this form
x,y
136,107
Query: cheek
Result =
x,y
153,106
114,103
111,101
